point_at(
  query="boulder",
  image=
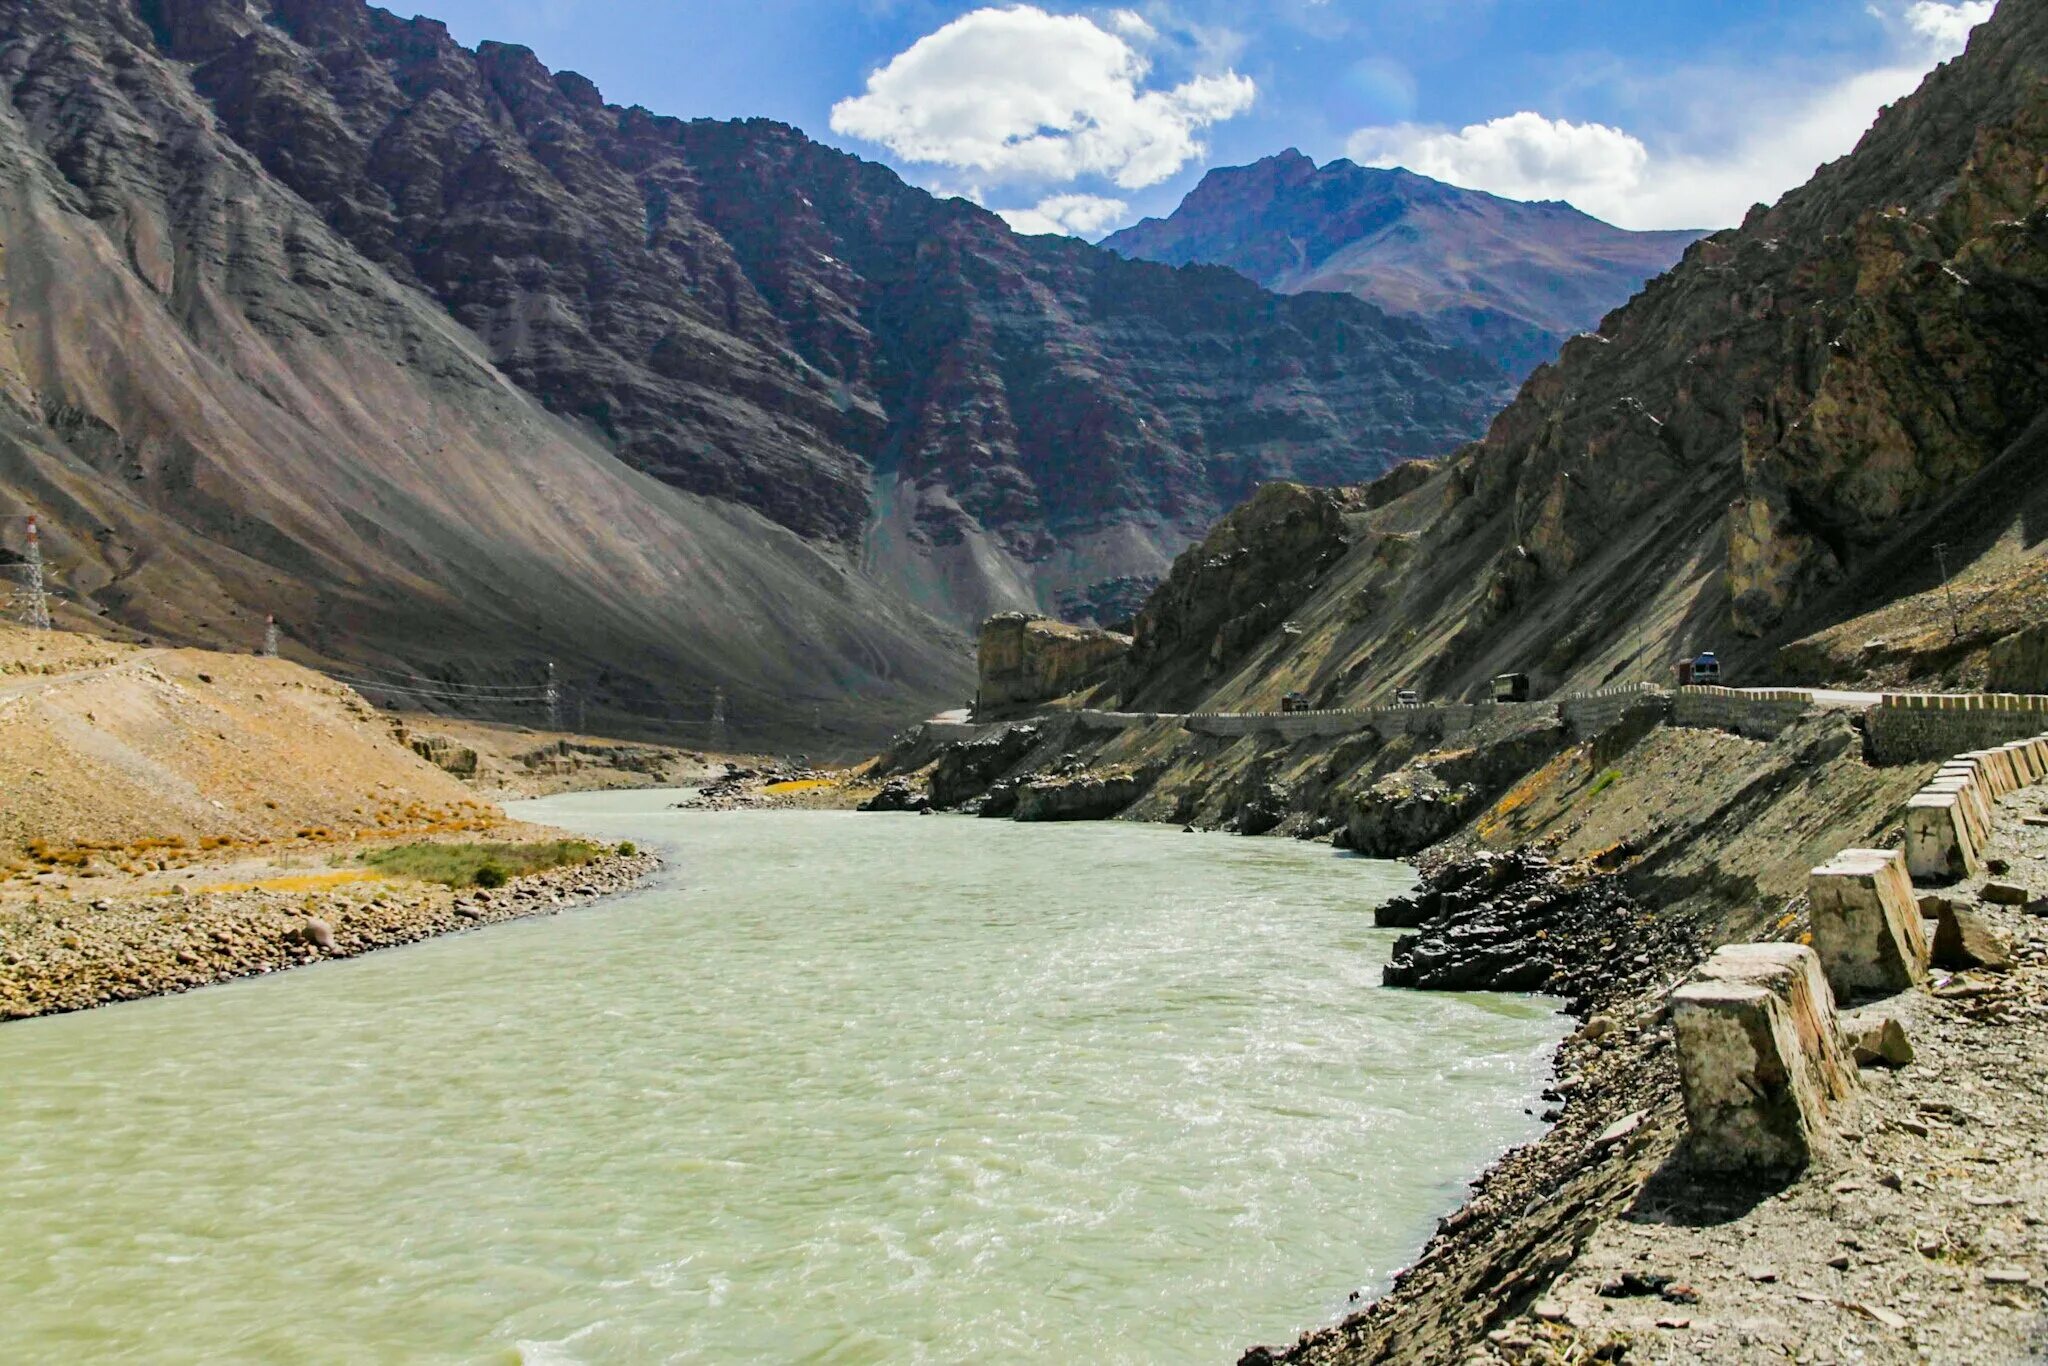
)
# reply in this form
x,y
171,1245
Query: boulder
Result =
x,y
2006,894
1760,1059
1866,923
1963,938
897,795
1079,797
1872,1037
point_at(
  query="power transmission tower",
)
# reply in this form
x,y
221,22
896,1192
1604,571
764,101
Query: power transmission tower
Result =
x,y
1955,624
38,596
554,700
270,636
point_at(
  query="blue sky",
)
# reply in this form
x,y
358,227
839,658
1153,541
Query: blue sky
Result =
x,y
1083,117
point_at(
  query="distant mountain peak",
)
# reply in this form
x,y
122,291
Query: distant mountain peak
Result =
x,y
1510,279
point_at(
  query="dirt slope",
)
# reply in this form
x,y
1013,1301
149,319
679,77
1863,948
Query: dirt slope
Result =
x,y
124,747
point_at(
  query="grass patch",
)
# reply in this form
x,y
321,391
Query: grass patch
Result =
x,y
479,865
1606,780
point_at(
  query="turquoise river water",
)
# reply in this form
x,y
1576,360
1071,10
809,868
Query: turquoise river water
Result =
x,y
831,1088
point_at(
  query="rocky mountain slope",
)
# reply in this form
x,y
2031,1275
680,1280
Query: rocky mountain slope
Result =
x,y
735,311
1510,280
1796,427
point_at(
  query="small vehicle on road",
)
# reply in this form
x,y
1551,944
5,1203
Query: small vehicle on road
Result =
x,y
1407,697
1295,701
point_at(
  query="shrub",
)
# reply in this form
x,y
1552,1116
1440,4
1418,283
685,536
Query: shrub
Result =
x,y
1607,780
627,849
467,865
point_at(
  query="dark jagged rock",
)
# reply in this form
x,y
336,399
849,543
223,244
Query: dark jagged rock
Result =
x,y
1511,280
1519,922
898,795
965,770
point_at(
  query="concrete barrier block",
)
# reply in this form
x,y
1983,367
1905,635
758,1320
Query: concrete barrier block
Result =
x,y
1939,844
1760,1059
1997,773
1866,923
1969,800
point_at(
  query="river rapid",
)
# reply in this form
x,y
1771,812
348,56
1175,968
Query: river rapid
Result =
x,y
830,1087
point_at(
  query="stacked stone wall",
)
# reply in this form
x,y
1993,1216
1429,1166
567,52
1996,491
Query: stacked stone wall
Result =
x,y
1761,715
1917,727
1593,712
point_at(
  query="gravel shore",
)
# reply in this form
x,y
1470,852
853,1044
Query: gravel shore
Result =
x,y
60,955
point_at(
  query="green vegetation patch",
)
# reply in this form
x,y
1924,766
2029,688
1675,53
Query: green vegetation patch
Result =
x,y
480,865
1607,780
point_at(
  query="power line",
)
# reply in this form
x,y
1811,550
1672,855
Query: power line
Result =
x,y
406,679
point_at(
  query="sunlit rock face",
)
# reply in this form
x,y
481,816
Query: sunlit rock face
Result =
x,y
1025,659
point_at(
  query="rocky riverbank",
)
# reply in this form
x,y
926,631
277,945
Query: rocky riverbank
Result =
x,y
61,954
1923,1237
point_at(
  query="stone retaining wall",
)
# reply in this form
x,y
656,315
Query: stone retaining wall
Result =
x,y
1443,718
1760,715
1592,712
1916,727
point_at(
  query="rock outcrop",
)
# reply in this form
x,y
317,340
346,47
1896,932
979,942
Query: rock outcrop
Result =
x,y
1520,922
1237,586
1511,280
1080,796
1025,660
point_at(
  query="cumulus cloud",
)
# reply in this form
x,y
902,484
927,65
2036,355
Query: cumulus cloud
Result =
x,y
1026,95
1612,174
1946,27
1069,215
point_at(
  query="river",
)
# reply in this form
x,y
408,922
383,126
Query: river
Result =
x,y
832,1087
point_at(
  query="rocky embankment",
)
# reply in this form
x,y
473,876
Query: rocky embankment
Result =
x,y
1520,922
60,955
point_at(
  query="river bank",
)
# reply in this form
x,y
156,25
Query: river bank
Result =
x,y
67,953
1921,1238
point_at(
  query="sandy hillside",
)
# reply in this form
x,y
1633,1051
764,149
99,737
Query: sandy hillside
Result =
x,y
112,745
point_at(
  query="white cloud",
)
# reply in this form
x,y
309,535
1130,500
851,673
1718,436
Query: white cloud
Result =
x,y
1022,94
1522,156
1069,215
1614,175
1946,27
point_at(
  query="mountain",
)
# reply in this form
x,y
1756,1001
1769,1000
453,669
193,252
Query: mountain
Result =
x,y
1780,450
1508,279
460,369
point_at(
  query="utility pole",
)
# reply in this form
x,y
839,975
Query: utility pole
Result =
x,y
1955,624
38,595
270,636
554,700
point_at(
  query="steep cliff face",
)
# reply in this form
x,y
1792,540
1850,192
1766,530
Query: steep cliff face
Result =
x,y
1510,280
1024,660
1773,438
220,407
745,314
